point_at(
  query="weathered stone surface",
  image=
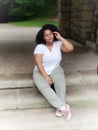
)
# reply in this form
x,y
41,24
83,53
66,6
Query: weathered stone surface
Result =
x,y
78,17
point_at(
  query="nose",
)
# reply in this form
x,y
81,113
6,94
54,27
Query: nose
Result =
x,y
49,36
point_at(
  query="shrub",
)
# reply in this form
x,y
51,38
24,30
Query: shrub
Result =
x,y
28,9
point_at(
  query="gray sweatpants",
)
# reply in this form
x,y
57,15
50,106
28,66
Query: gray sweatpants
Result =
x,y
55,98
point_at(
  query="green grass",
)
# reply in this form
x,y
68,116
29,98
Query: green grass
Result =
x,y
35,22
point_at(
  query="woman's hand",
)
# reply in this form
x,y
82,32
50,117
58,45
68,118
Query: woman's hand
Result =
x,y
66,45
57,35
49,80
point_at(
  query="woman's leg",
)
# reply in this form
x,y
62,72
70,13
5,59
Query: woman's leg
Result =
x,y
59,83
60,88
46,90
54,99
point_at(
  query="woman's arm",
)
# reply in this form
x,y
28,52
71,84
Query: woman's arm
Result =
x,y
66,45
38,62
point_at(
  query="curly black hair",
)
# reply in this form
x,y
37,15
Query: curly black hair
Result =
x,y
39,36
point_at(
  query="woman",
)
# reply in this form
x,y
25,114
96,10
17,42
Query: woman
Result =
x,y
47,70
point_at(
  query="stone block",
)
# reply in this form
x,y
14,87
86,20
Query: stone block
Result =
x,y
86,16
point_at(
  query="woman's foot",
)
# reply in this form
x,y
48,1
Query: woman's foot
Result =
x,y
64,112
58,113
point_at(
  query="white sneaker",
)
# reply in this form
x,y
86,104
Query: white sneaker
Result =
x,y
66,113
58,113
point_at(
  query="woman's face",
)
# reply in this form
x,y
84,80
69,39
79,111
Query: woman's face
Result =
x,y
48,36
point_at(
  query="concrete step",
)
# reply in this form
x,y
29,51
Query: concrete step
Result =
x,y
84,118
24,80
26,98
17,91
81,78
16,81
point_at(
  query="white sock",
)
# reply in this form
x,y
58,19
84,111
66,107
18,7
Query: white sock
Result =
x,y
63,107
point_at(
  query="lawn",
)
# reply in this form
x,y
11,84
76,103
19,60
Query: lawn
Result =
x,y
35,22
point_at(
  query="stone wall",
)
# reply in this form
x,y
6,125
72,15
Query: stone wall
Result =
x,y
77,19
65,17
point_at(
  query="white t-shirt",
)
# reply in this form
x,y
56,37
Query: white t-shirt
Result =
x,y
51,59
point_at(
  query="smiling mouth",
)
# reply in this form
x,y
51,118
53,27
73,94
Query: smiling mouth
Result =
x,y
50,39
